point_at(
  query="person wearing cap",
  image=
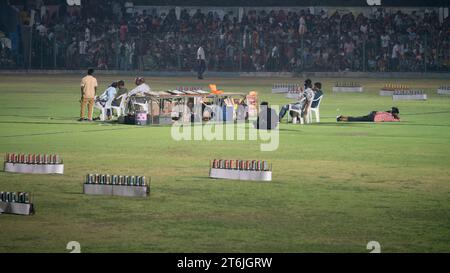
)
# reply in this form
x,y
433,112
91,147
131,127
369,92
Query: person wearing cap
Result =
x,y
374,116
305,100
141,87
136,96
88,91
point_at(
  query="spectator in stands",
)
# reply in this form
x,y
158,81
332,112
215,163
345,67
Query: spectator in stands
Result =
x,y
275,40
201,62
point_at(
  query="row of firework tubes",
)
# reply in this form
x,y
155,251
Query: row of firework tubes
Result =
x,y
241,165
123,180
188,88
409,92
347,84
33,158
286,85
15,197
391,86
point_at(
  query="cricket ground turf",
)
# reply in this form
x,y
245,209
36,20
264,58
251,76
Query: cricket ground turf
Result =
x,y
336,186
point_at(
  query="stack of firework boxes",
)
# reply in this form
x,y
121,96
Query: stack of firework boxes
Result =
x,y
241,170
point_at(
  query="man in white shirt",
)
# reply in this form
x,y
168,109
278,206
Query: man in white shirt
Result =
x,y
395,56
108,95
141,87
135,98
201,62
305,99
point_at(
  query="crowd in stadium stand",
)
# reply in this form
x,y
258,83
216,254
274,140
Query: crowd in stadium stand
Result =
x,y
113,37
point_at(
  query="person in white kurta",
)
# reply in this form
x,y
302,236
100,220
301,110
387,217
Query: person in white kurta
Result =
x,y
201,63
139,91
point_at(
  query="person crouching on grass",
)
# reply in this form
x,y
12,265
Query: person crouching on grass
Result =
x,y
374,116
88,91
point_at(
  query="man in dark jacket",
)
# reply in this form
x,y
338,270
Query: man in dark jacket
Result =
x,y
267,118
121,90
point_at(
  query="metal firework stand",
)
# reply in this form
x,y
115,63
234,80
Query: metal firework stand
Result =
x,y
389,89
444,90
241,170
33,163
347,87
18,203
116,185
410,95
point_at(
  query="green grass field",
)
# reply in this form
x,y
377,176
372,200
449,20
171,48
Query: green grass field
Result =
x,y
335,186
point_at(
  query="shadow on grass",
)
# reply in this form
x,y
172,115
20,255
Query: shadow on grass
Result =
x,y
34,116
21,108
69,132
73,192
40,122
290,130
427,113
360,124
341,124
207,179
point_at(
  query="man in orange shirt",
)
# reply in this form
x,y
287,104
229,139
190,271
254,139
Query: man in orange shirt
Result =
x,y
374,116
88,92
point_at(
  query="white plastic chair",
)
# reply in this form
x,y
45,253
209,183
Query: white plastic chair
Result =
x,y
315,110
104,109
121,108
144,105
298,111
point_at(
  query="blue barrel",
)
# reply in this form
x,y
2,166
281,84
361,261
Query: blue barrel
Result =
x,y
228,113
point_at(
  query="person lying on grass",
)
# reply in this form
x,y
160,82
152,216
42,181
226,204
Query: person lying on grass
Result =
x,y
374,116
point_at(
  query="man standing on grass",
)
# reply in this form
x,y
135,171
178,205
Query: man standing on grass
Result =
x,y
88,91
